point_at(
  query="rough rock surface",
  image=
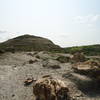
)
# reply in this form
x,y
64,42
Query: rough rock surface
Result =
x,y
90,68
49,88
49,63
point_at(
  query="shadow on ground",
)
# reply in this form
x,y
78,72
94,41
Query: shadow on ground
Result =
x,y
89,87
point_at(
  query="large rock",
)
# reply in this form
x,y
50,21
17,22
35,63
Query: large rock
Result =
x,y
50,89
89,68
43,55
49,63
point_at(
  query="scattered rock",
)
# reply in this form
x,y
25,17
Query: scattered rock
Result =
x,y
78,57
14,67
46,76
50,89
32,61
63,59
49,63
30,54
55,67
28,81
43,55
37,56
13,95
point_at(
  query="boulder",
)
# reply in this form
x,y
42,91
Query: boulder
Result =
x,y
49,63
32,61
43,55
49,88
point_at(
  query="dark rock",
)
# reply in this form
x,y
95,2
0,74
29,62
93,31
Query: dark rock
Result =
x,y
46,76
2,51
37,56
13,95
28,81
32,61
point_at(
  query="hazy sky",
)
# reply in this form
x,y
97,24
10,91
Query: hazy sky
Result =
x,y
65,22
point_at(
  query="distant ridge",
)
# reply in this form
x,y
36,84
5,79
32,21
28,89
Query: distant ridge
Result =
x,y
88,49
36,43
29,43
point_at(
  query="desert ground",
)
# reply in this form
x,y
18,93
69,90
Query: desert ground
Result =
x,y
16,67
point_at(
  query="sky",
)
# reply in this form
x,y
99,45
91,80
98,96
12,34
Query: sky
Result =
x,y
66,22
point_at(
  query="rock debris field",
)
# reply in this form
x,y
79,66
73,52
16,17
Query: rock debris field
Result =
x,y
16,67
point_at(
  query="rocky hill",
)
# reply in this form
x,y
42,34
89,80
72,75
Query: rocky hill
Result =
x,y
29,43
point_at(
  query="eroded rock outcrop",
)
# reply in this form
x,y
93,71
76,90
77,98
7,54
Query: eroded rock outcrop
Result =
x,y
90,68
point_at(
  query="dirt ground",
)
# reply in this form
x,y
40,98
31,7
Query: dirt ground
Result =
x,y
15,69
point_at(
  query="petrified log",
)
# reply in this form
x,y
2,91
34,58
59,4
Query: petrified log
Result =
x,y
49,88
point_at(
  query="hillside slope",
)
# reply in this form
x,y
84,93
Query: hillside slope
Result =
x,y
29,43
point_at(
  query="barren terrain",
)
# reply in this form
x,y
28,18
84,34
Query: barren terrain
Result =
x,y
15,69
